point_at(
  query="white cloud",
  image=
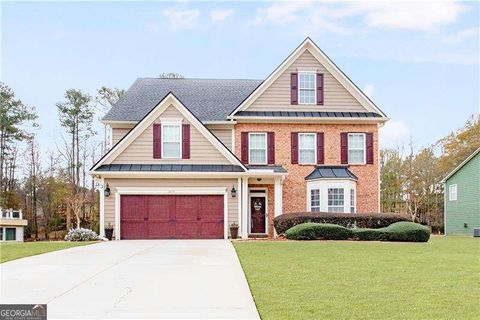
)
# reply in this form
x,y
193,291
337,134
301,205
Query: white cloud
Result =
x,y
394,133
410,15
220,15
282,12
462,35
369,89
181,19
406,15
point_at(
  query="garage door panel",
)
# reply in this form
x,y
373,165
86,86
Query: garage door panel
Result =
x,y
160,230
134,207
172,216
211,230
186,208
132,229
211,207
187,230
161,208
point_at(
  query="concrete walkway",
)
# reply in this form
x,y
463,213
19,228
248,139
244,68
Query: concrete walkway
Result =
x,y
133,279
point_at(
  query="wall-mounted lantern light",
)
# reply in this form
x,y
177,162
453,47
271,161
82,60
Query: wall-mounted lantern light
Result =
x,y
233,192
106,192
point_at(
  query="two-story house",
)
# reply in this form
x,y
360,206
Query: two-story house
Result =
x,y
190,157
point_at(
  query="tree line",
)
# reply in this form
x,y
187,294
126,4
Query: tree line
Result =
x,y
411,182
55,191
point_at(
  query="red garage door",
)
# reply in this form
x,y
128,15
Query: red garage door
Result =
x,y
171,217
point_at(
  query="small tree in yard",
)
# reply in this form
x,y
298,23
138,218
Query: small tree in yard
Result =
x,y
76,201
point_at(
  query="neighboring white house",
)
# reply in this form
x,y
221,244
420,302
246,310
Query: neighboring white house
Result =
x,y
11,225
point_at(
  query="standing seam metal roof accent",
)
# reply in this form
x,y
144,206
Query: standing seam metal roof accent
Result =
x,y
331,172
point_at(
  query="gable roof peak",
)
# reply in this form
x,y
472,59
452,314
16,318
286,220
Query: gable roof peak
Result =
x,y
332,68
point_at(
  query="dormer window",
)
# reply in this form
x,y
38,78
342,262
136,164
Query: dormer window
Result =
x,y
307,88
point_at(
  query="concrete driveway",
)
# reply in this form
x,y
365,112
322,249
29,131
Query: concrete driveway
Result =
x,y
133,279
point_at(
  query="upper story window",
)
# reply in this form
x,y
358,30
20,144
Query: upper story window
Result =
x,y
307,88
171,140
257,148
452,192
356,148
307,148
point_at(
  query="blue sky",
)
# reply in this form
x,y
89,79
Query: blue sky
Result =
x,y
418,61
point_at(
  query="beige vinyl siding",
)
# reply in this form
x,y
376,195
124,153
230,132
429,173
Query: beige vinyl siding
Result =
x,y
118,133
277,96
140,151
224,135
204,182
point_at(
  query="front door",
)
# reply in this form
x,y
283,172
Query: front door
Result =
x,y
257,214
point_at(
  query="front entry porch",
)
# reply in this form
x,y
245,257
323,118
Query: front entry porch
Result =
x,y
261,201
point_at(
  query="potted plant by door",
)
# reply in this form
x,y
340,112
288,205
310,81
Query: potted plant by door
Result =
x,y
234,230
109,231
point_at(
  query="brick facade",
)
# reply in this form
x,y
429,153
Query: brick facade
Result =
x,y
295,187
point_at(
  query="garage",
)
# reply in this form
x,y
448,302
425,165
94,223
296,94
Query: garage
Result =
x,y
172,216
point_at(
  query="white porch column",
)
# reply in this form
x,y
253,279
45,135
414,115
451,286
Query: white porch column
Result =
x,y
278,193
102,208
239,202
244,229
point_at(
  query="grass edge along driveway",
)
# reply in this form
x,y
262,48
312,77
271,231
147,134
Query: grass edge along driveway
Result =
x,y
364,280
15,250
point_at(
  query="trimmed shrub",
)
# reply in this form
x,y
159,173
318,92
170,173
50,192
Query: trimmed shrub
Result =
x,y
314,231
369,234
408,231
400,231
81,234
348,220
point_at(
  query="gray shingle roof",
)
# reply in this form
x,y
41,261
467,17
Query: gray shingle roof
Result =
x,y
207,99
171,167
332,172
306,114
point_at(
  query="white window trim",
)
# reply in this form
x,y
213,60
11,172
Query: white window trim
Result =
x,y
364,147
314,147
324,184
172,123
451,188
249,148
314,87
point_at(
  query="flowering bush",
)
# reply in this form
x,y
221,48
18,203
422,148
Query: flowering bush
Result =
x,y
81,234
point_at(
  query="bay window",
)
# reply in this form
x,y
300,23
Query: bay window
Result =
x,y
328,195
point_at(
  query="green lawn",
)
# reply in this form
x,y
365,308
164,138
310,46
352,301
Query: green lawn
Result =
x,y
15,250
364,280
